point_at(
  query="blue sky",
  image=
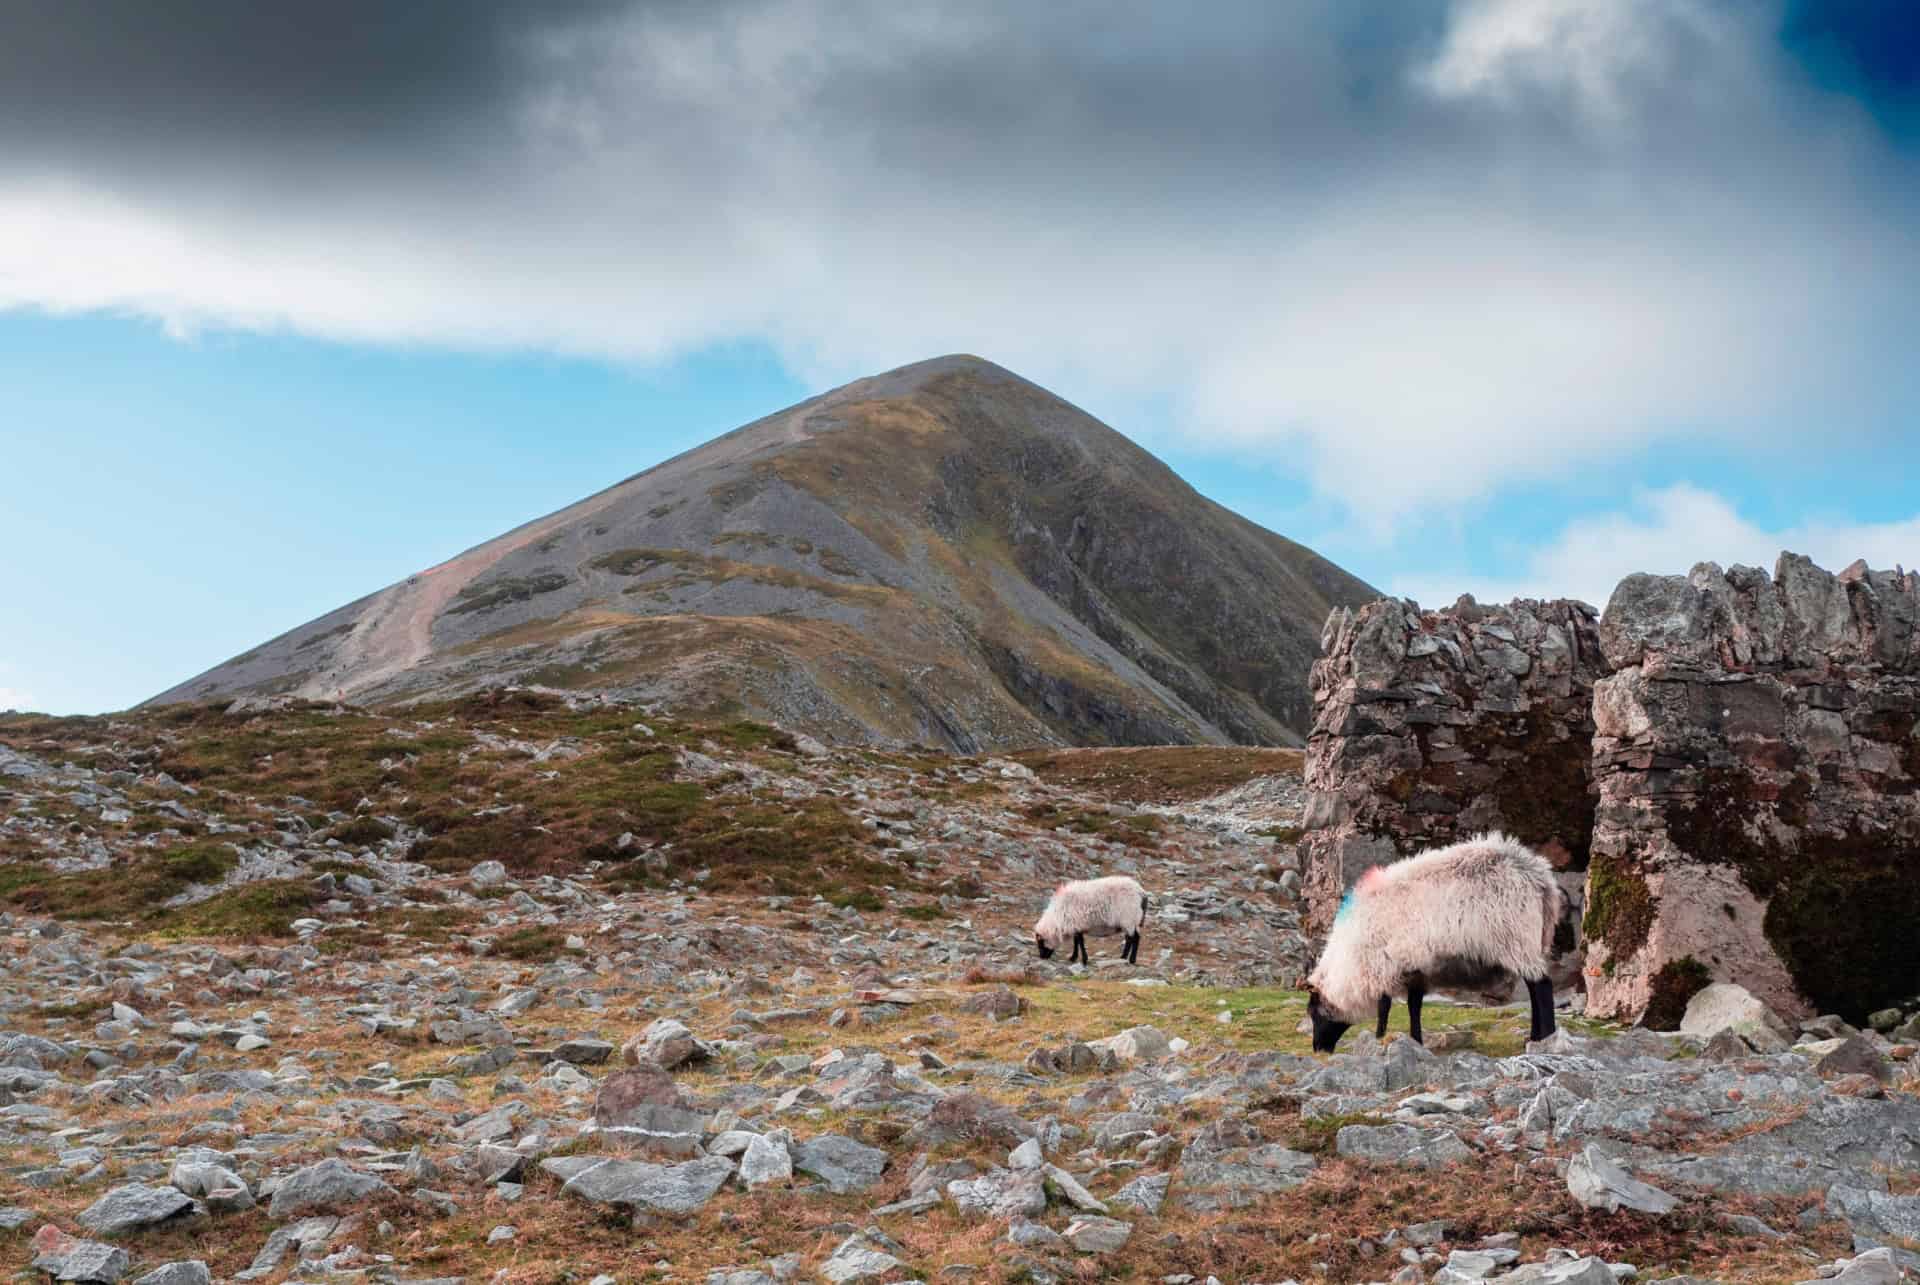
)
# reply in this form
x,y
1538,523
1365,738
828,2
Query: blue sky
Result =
x,y
1490,296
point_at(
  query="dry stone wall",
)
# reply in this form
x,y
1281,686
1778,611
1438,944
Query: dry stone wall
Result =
x,y
1758,767
1431,726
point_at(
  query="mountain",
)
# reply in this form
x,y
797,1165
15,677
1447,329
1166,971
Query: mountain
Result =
x,y
943,554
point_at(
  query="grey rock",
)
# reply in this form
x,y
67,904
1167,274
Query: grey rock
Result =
x,y
1401,1144
1136,1044
1876,1215
765,1160
856,1259
1094,1235
667,1044
1598,1183
1853,1055
85,1261
1723,1006
133,1208
840,1162
1875,1267
648,1188
661,1130
331,1184
186,1272
1071,1191
1578,1271
1145,1193
584,1052
1032,1235
1000,1193
1236,1178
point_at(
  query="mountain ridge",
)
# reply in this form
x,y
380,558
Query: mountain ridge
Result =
x,y
942,553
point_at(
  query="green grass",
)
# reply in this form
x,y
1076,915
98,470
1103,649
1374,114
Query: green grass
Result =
x,y
1264,1018
255,910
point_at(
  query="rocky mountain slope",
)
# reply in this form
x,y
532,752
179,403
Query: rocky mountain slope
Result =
x,y
510,989
945,554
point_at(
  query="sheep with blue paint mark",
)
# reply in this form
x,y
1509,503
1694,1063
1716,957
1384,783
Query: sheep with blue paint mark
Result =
x,y
1114,904
1463,917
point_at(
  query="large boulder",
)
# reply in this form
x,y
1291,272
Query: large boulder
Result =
x,y
624,1096
85,1262
1723,1006
644,1188
135,1207
329,1185
666,1044
1136,1044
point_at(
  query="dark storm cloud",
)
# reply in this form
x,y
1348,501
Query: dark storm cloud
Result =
x,y
1490,237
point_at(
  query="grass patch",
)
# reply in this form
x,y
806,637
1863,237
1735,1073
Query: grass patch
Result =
x,y
532,945
129,890
1135,829
256,910
1316,1137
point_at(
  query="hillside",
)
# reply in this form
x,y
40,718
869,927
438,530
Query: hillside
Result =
x,y
945,554
514,989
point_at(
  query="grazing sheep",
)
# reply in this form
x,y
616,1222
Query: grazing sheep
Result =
x,y
1462,916
1112,905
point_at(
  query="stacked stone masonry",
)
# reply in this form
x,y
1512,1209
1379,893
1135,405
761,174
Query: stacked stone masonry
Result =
x,y
1758,766
1432,726
1725,767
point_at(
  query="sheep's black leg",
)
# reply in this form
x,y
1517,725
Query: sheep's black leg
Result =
x,y
1386,1007
1540,994
1131,950
1080,949
1416,991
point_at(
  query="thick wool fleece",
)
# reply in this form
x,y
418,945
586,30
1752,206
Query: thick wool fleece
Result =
x,y
1113,904
1489,900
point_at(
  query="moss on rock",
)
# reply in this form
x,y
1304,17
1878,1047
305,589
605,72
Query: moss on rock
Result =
x,y
1676,983
1620,907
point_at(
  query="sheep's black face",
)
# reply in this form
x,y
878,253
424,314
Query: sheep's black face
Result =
x,y
1046,951
1326,1031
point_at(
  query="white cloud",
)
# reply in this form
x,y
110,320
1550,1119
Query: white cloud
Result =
x,y
1571,230
1665,532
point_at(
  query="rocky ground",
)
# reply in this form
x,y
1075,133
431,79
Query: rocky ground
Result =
x,y
520,991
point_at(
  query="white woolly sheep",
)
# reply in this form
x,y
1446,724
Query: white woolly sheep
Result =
x,y
1115,904
1463,916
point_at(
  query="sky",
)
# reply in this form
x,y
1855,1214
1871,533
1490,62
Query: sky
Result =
x,y
1493,296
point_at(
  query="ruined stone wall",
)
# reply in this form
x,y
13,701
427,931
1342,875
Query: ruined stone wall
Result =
x,y
1758,767
1431,726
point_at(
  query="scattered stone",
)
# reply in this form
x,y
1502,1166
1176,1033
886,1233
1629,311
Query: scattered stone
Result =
x,y
642,1187
844,1165
855,1259
135,1207
666,1044
1093,1235
329,1185
1598,1183
191,1272
68,1258
1136,1044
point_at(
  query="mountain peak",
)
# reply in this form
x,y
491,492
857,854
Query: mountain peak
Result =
x,y
942,553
